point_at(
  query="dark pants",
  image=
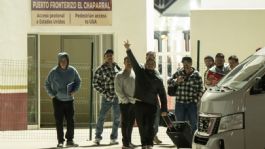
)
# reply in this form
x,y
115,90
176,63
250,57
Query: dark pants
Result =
x,y
157,119
127,121
61,110
145,116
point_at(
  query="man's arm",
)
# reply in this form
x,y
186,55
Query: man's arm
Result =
x,y
162,96
172,81
77,82
48,85
200,87
135,64
97,82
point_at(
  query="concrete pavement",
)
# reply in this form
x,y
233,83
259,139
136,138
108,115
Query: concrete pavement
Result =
x,y
46,139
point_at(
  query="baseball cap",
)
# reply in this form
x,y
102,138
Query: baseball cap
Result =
x,y
109,51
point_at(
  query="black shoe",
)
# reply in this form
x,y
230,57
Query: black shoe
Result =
x,y
126,147
147,147
71,144
113,142
132,145
60,145
156,140
97,141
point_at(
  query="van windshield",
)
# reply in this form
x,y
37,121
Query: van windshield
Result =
x,y
239,76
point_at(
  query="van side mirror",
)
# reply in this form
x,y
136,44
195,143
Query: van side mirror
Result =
x,y
256,89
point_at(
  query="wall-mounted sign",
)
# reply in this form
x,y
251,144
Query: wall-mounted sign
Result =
x,y
163,5
71,12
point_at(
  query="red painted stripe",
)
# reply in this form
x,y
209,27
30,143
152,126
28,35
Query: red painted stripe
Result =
x,y
13,111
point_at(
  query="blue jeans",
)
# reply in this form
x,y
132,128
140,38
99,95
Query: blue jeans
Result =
x,y
187,112
105,107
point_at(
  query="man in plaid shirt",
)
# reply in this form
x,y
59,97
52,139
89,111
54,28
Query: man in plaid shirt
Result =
x,y
189,89
103,82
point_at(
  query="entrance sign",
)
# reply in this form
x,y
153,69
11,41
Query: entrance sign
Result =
x,y
71,12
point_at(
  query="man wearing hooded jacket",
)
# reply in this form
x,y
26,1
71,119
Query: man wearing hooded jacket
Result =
x,y
61,84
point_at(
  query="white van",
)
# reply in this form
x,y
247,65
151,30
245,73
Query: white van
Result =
x,y
232,114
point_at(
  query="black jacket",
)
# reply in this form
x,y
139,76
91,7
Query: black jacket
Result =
x,y
148,84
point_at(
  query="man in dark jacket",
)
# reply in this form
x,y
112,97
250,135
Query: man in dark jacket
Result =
x,y
152,55
61,84
148,85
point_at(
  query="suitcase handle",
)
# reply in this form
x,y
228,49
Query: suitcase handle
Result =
x,y
168,122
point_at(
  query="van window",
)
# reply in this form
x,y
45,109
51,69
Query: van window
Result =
x,y
259,86
239,76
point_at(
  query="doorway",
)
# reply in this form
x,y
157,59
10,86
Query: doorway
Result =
x,y
79,48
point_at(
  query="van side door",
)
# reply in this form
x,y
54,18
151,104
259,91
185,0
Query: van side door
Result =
x,y
255,116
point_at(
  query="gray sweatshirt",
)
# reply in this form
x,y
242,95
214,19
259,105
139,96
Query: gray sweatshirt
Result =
x,y
124,86
58,80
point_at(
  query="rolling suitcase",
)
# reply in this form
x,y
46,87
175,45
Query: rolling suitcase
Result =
x,y
179,132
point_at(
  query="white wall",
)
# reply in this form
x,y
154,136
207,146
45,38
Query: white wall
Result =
x,y
13,46
13,24
150,20
215,4
129,21
237,32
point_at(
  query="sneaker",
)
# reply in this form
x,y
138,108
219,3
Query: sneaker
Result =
x,y
97,141
126,147
71,144
113,142
149,147
60,145
132,145
156,140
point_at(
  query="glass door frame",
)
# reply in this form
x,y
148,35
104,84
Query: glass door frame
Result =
x,y
36,58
